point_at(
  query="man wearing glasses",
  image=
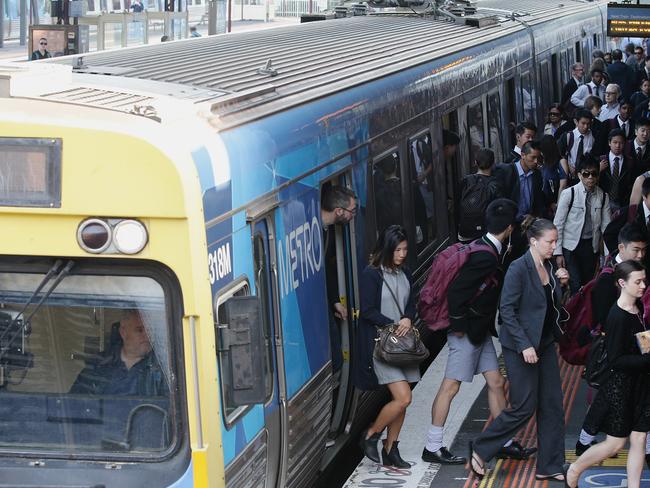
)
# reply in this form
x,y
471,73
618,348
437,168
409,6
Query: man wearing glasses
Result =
x,y
41,52
577,73
582,215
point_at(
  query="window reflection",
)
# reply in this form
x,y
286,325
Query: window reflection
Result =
x,y
421,158
475,124
387,185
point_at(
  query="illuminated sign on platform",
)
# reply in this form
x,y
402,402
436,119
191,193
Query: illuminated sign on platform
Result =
x,y
628,20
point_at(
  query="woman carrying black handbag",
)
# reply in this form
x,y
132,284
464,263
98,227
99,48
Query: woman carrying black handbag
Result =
x,y
380,308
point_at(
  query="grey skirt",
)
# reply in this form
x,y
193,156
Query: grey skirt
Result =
x,y
387,373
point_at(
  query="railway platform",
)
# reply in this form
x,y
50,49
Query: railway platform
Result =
x,y
469,415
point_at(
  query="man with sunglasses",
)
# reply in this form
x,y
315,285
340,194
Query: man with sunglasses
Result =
x,y
582,216
41,52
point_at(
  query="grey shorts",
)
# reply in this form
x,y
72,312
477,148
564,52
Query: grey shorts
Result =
x,y
466,360
387,373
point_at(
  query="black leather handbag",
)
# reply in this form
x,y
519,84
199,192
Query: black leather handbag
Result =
x,y
407,350
597,368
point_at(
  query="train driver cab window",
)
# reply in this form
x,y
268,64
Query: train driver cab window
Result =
x,y
387,189
476,131
421,163
85,362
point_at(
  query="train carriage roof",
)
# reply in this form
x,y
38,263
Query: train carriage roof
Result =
x,y
307,61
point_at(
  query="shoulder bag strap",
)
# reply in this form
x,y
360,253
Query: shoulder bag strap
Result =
x,y
393,295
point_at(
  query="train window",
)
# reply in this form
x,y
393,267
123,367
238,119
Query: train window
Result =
x,y
494,125
421,163
231,411
528,97
578,51
476,130
88,370
557,83
387,188
545,81
565,68
30,172
511,104
262,282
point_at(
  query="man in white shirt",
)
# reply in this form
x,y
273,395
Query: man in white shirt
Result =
x,y
577,72
594,87
524,132
610,109
638,150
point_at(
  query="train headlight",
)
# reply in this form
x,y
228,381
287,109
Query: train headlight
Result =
x,y
130,236
94,235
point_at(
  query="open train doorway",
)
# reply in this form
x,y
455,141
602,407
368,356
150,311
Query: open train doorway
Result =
x,y
338,211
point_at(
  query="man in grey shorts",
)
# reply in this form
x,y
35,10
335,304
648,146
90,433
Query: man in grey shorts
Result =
x,y
473,298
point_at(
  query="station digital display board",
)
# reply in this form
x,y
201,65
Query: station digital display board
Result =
x,y
628,20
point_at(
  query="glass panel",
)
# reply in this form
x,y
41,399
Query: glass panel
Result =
x,y
30,171
528,98
112,35
494,125
476,133
264,292
230,409
421,160
387,191
135,33
87,371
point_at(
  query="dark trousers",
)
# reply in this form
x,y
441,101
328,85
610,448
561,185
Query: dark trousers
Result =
x,y
532,387
595,417
581,264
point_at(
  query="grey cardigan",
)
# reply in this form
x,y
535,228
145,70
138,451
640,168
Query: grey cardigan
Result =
x,y
523,304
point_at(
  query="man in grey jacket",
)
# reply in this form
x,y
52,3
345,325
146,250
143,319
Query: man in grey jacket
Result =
x,y
582,216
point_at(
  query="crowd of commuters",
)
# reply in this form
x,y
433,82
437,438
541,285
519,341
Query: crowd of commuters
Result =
x,y
569,206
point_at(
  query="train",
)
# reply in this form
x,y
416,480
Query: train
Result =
x,y
183,181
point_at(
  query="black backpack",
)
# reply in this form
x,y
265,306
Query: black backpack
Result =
x,y
477,192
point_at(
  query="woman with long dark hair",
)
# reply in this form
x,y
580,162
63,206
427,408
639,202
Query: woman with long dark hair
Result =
x,y
624,394
386,298
554,175
531,322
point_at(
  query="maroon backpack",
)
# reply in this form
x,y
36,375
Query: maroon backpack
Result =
x,y
433,305
581,323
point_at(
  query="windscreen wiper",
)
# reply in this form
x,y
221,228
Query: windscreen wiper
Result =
x,y
26,321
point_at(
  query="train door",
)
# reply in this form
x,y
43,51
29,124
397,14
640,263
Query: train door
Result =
x,y
341,256
453,172
511,110
266,290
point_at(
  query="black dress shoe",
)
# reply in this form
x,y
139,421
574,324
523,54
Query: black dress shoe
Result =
x,y
516,451
581,448
393,458
442,456
369,445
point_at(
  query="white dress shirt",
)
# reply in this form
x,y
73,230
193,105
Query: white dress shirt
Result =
x,y
587,144
580,95
608,112
495,241
637,146
624,124
611,163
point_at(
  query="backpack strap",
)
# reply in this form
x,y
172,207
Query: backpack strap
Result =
x,y
591,92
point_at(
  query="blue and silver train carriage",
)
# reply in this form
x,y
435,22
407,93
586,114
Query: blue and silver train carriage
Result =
x,y
219,147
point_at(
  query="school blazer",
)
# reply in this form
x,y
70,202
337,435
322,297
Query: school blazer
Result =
x,y
523,304
569,223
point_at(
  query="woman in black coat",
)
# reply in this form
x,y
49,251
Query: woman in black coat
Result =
x,y
624,394
386,298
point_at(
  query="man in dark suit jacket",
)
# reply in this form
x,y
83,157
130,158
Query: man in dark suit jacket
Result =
x,y
471,327
577,73
623,120
637,150
616,172
524,132
529,197
622,74
644,74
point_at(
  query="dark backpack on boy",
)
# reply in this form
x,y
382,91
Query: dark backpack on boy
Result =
x,y
478,191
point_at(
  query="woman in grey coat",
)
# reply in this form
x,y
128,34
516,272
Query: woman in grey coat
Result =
x,y
530,313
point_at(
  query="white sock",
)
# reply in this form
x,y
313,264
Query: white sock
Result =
x,y
586,439
434,438
507,444
647,445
